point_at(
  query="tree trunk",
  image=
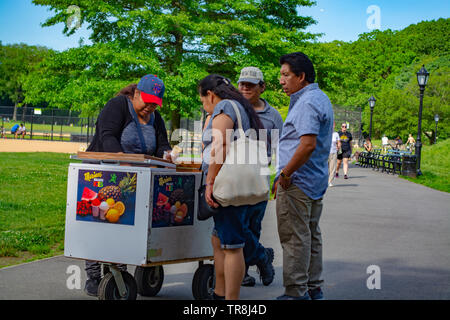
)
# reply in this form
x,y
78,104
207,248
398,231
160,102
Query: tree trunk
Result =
x,y
24,112
430,137
175,124
15,112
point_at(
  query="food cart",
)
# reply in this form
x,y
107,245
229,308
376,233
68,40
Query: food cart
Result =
x,y
136,210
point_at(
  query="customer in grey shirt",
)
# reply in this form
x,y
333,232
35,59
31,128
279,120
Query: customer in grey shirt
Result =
x,y
251,85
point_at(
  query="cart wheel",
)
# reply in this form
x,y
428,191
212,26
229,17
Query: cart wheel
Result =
x,y
149,280
107,289
203,282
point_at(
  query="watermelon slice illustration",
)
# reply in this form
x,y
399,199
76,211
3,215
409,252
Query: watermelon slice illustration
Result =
x,y
162,200
88,194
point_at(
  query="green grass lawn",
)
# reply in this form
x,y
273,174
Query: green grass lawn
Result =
x,y
435,166
32,204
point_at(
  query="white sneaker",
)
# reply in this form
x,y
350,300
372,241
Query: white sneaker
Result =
x,y
330,184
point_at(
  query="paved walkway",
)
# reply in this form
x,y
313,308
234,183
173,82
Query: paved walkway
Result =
x,y
370,219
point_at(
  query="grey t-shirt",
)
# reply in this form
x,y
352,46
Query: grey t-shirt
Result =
x,y
225,107
130,140
272,121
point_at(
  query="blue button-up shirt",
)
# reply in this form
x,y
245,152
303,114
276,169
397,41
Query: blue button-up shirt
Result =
x,y
310,112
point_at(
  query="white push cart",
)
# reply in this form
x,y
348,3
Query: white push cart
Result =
x,y
122,209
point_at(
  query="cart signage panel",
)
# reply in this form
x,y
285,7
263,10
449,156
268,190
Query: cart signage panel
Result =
x,y
106,196
173,200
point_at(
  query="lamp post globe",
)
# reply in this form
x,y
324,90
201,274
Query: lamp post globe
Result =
x,y
422,80
372,101
436,119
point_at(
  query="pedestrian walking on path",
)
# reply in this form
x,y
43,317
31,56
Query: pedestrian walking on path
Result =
x,y
346,146
332,159
302,177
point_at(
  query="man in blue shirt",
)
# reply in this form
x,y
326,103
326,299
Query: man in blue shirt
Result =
x,y
302,177
14,130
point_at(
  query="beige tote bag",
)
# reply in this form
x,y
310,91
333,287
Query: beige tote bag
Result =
x,y
242,180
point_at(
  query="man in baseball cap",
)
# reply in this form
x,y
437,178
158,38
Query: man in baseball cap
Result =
x,y
152,89
251,85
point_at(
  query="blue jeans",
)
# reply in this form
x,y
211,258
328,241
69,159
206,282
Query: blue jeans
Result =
x,y
254,252
229,226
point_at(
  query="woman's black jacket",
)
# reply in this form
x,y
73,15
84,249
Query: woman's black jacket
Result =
x,y
111,122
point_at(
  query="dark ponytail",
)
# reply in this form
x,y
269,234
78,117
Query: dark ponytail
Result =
x,y
223,88
128,91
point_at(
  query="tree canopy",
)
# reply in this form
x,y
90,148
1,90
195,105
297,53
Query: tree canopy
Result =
x,y
183,41
189,39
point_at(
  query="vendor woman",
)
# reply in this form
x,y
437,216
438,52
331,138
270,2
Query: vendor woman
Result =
x,y
129,123
117,130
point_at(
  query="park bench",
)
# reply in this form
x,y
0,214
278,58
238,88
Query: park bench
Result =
x,y
391,162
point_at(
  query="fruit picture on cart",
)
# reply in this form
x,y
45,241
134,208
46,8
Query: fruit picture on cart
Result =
x,y
106,196
173,200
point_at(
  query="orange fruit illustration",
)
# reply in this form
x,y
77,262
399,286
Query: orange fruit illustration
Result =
x,y
120,207
110,202
112,215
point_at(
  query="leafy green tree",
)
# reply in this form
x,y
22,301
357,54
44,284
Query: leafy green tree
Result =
x,y
16,62
85,78
193,38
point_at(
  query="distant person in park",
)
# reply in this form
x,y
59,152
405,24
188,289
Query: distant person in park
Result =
x,y
251,85
129,123
230,233
398,143
346,147
21,131
3,132
410,142
332,158
368,145
385,143
302,177
14,130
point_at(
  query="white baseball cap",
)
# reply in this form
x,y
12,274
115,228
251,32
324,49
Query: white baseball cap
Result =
x,y
251,74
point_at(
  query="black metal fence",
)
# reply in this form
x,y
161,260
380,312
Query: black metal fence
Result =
x,y
50,124
353,118
64,125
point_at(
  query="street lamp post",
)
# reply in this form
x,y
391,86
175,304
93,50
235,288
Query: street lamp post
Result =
x,y
372,105
436,119
422,79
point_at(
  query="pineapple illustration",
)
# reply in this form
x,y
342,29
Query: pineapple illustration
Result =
x,y
177,195
126,186
108,192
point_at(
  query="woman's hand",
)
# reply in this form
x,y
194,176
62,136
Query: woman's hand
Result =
x,y
208,196
168,155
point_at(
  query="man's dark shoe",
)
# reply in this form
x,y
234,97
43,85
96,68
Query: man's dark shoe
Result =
x,y
266,270
91,286
345,177
337,175
316,294
286,297
248,281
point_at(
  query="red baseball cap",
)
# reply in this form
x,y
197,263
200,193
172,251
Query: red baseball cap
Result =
x,y
152,89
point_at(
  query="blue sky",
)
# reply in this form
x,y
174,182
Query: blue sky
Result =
x,y
338,19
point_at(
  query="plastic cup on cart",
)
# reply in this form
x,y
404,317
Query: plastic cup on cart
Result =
x,y
95,211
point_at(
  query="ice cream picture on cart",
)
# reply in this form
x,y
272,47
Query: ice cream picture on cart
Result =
x,y
173,200
106,196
